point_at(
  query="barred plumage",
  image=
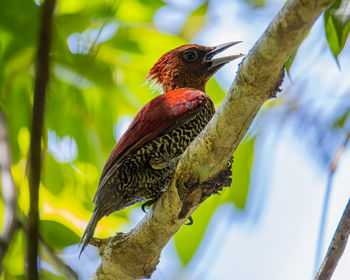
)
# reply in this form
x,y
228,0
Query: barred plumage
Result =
x,y
138,167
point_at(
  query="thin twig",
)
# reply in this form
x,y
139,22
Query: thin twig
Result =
x,y
66,269
336,247
333,167
41,81
9,191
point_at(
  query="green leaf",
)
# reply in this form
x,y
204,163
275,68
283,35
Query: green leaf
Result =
x,y
14,262
341,119
256,3
70,23
337,26
290,60
57,235
123,40
241,170
20,17
217,94
48,275
18,113
55,175
138,10
84,65
195,22
188,238
67,114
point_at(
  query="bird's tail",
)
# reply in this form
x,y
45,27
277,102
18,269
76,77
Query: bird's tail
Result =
x,y
90,229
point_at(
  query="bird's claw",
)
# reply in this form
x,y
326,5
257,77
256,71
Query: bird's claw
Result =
x,y
159,163
190,221
173,163
148,203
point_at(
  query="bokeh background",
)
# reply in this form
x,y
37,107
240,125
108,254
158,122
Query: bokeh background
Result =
x,y
284,199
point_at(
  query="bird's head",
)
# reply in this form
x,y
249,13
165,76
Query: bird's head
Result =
x,y
189,66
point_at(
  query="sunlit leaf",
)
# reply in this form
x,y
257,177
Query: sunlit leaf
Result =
x,y
20,17
188,238
18,111
217,94
290,60
56,175
67,115
23,139
124,41
74,22
57,235
195,21
241,170
86,66
48,275
256,3
342,119
13,264
137,10
337,26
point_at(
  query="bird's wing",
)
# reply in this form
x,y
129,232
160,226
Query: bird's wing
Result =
x,y
156,118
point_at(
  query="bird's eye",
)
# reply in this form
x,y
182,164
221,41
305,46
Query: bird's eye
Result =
x,y
190,55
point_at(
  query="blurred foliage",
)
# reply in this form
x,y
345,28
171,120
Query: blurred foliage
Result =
x,y
256,3
337,26
195,22
101,52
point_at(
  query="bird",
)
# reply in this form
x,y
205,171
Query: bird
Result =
x,y
140,165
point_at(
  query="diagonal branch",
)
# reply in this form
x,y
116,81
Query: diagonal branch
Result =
x,y
65,268
41,81
134,255
9,191
337,246
333,168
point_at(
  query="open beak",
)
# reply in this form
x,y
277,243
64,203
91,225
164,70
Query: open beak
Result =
x,y
221,60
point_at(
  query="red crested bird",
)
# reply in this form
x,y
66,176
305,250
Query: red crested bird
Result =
x,y
139,166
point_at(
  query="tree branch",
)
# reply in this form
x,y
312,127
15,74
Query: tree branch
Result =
x,y
65,268
11,221
134,255
41,81
333,167
337,246
9,191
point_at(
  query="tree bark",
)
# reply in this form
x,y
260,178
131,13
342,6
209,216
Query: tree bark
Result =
x,y
337,246
41,80
135,255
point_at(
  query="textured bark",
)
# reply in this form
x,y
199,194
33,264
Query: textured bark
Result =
x,y
135,255
337,247
41,81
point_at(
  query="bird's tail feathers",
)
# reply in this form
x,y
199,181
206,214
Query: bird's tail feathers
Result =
x,y
89,231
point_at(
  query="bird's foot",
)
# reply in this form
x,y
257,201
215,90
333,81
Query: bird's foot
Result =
x,y
173,163
190,221
148,203
159,163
